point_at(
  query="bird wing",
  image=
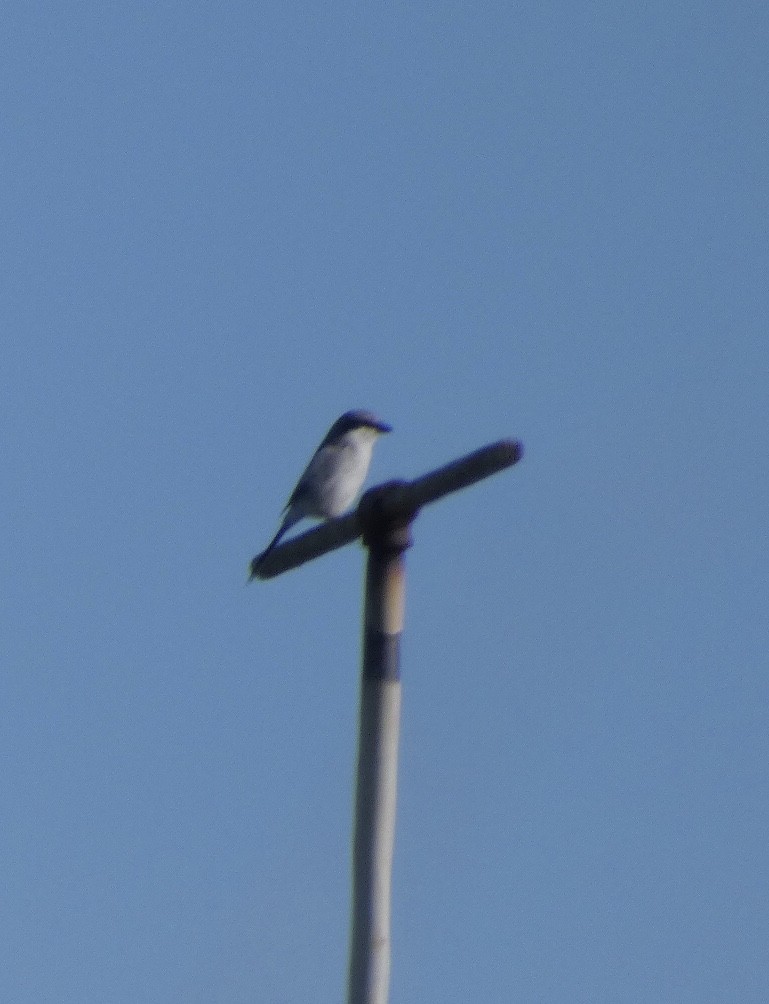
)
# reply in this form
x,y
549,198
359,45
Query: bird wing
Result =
x,y
321,468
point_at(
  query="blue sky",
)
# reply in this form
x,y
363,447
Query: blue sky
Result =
x,y
224,227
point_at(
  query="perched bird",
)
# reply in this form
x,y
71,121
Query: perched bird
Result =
x,y
335,474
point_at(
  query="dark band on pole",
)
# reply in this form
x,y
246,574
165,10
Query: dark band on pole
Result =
x,y
381,655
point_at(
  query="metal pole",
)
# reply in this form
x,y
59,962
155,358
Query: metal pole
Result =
x,y
377,777
384,518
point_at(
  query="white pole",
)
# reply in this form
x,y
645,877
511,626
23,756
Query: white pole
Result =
x,y
376,790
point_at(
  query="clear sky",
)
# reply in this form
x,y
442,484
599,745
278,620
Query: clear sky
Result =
x,y
223,225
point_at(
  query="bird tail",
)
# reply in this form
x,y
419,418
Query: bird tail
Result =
x,y
288,522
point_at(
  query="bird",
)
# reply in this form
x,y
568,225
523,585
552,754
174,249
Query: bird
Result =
x,y
335,474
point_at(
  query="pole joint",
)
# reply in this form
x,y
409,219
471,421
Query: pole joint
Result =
x,y
385,515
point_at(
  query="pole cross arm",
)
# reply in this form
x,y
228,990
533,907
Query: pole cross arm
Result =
x,y
394,503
